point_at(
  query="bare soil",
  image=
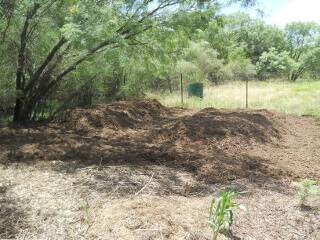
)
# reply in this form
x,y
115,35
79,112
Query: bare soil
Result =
x,y
139,170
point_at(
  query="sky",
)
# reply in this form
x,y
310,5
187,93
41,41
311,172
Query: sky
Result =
x,y
281,12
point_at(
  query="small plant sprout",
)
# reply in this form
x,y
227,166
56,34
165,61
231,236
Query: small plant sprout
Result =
x,y
86,208
307,188
221,216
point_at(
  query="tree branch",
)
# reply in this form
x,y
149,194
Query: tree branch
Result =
x,y
161,6
23,45
73,95
37,96
45,63
7,12
137,33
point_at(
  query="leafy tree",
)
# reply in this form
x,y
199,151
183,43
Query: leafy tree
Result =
x,y
200,62
275,62
254,36
52,38
160,67
238,66
6,16
84,28
302,40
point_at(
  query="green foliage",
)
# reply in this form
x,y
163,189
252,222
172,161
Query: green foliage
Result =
x,y
221,216
86,208
311,60
254,36
307,188
88,23
275,62
132,46
7,87
54,38
193,23
146,72
238,67
236,70
301,37
302,43
200,62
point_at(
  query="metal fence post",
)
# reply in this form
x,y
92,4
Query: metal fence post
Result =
x,y
247,90
181,86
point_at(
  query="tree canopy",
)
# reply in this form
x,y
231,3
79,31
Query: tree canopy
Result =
x,y
66,53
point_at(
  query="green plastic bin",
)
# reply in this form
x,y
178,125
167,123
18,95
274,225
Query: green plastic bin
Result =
x,y
195,90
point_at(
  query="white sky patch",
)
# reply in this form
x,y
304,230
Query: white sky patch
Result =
x,y
296,10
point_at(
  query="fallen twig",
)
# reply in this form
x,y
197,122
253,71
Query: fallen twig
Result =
x,y
144,186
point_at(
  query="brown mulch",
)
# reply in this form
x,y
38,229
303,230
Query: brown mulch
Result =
x,y
102,156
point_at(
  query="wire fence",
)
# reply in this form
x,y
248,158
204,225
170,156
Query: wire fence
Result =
x,y
267,91
299,97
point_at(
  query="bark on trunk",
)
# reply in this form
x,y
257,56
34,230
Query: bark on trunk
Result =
x,y
169,84
20,108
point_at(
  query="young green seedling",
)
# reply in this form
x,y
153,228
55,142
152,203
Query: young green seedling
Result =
x,y
221,216
307,188
86,209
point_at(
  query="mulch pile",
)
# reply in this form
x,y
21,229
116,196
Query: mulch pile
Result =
x,y
136,169
120,115
213,144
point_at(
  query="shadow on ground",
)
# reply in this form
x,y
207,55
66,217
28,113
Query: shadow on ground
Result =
x,y
211,145
12,219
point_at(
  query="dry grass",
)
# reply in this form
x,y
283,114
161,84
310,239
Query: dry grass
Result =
x,y
156,179
301,98
51,204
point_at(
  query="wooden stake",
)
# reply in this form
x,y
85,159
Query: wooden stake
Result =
x,y
181,86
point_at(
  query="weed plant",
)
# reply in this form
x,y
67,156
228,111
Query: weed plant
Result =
x,y
307,189
86,209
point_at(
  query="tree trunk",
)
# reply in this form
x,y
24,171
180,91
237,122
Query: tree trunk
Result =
x,y
294,77
26,112
40,84
19,112
169,84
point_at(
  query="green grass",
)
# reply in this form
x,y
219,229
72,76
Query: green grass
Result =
x,y
301,98
5,119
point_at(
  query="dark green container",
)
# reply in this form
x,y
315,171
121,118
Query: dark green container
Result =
x,y
195,90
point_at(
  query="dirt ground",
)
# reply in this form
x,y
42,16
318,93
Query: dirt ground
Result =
x,y
138,170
